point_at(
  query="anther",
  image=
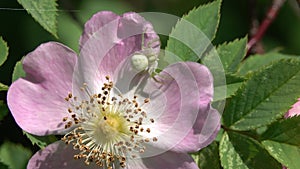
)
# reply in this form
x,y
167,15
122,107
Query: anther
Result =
x,y
144,114
69,110
147,100
111,115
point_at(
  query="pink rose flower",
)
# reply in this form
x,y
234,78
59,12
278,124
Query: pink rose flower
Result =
x,y
110,113
294,111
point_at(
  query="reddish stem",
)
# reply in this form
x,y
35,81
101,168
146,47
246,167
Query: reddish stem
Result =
x,y
271,15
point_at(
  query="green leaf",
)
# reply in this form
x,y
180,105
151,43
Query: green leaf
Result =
x,y
256,62
193,33
214,64
220,135
3,110
41,141
18,71
229,55
233,83
284,131
232,53
242,152
3,166
3,87
15,156
3,51
208,157
44,12
282,141
265,96
286,154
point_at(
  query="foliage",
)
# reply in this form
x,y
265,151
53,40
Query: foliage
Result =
x,y
260,88
3,51
13,155
44,12
259,91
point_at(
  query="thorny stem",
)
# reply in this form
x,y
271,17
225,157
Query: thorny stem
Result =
x,y
271,15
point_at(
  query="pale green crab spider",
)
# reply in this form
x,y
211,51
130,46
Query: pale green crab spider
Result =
x,y
146,59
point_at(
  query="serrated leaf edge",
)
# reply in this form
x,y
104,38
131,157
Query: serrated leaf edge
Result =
x,y
225,135
288,56
46,28
194,9
205,6
243,86
229,43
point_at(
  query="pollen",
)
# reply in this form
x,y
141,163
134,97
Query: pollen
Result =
x,y
107,129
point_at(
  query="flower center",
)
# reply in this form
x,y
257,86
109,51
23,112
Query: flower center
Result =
x,y
109,126
115,122
105,129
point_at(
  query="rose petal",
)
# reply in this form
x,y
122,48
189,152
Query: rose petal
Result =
x,y
57,155
198,137
166,160
294,111
207,124
111,46
180,103
97,21
37,101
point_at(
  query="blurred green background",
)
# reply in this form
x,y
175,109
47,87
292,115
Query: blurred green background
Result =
x,y
23,34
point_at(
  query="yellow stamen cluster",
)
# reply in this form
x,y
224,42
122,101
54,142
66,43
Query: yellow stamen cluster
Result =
x,y
106,129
